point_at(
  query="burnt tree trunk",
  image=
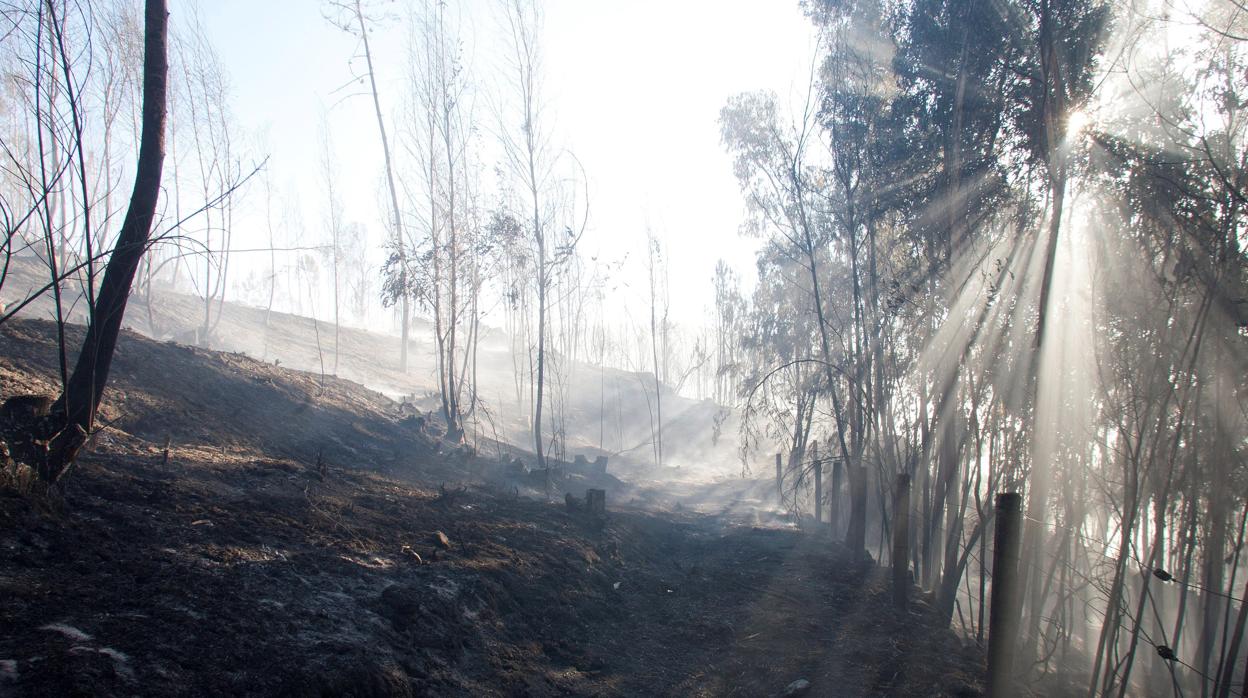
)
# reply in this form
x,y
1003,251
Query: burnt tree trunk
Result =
x,y
74,412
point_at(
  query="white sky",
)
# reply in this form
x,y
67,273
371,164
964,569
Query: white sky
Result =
x,y
634,89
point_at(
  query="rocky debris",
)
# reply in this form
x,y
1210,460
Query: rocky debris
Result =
x,y
448,496
408,408
594,505
120,662
400,603
362,676
797,688
436,614
68,631
440,540
414,422
25,407
412,554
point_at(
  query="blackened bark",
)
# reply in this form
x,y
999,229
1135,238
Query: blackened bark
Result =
x,y
74,412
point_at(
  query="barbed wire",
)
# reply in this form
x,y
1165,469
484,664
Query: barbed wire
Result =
x,y
1127,622
1159,572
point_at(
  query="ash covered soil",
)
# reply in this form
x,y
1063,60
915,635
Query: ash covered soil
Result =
x,y
300,538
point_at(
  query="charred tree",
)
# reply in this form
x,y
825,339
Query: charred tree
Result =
x,y
73,415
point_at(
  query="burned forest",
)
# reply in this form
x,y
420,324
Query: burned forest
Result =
x,y
557,347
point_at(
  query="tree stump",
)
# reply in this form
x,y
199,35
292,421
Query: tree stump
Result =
x,y
596,503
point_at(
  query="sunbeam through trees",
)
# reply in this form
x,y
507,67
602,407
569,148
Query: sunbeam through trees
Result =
x,y
552,347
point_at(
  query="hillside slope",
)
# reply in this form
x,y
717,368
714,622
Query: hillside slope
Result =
x,y
607,410
289,545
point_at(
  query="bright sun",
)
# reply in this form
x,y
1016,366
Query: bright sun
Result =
x,y
1076,122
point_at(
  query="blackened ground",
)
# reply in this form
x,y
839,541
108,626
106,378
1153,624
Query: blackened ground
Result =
x,y
288,546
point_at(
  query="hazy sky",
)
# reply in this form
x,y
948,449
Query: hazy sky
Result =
x,y
634,89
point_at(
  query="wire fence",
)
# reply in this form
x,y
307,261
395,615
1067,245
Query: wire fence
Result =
x,y
1134,625
1115,553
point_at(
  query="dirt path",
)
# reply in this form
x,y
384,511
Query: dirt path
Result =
x,y
238,577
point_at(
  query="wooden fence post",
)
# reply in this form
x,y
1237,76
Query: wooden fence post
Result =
x,y
856,536
901,542
1004,607
596,503
779,479
814,456
834,497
